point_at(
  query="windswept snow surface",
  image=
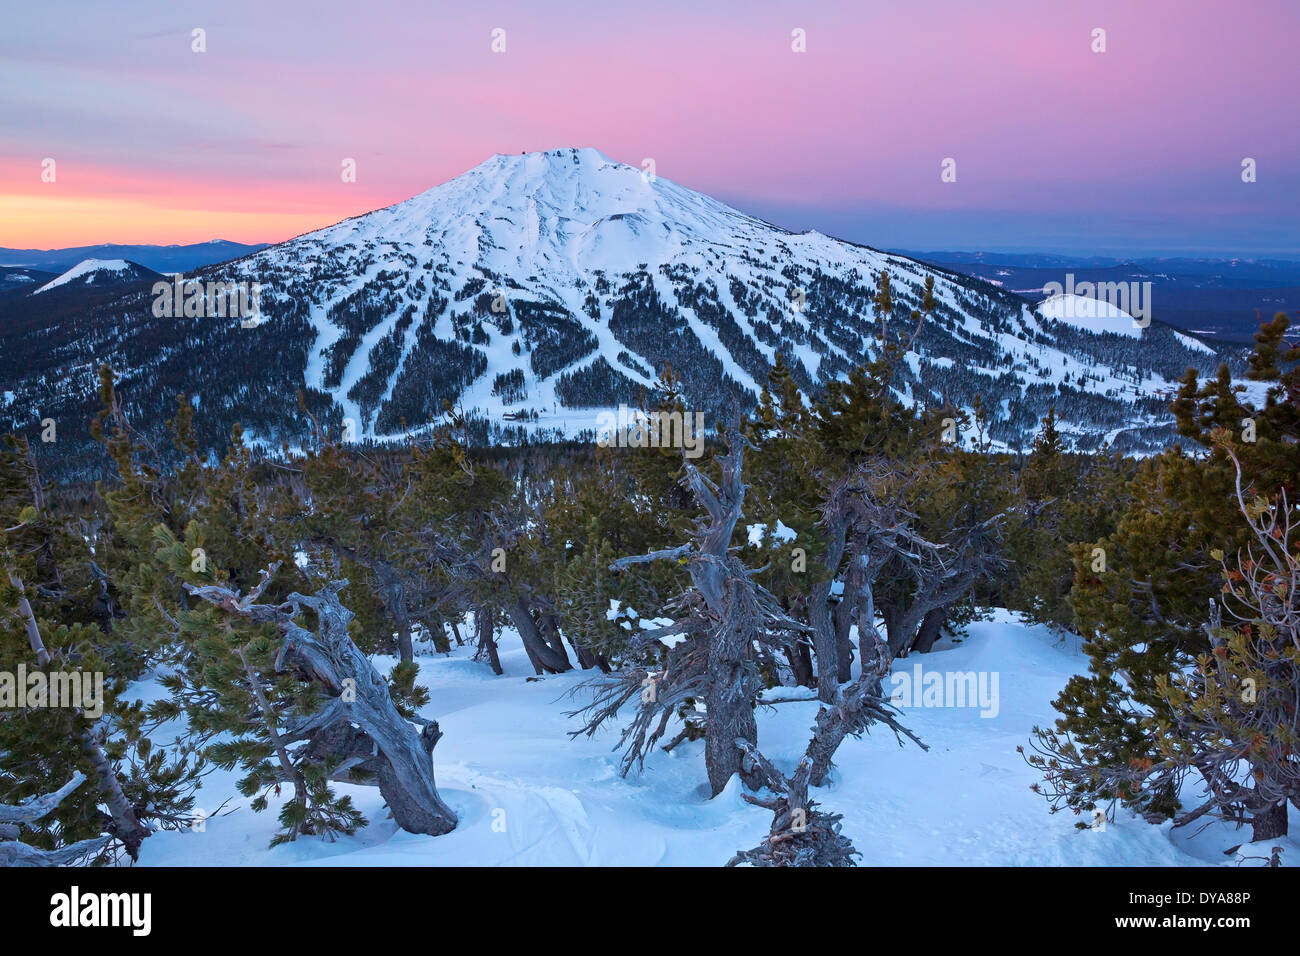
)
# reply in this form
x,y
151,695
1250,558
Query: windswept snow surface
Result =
x,y
506,760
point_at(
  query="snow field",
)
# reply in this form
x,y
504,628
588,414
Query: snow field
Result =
x,y
528,794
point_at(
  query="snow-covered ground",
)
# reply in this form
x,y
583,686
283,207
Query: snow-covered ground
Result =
x,y
526,793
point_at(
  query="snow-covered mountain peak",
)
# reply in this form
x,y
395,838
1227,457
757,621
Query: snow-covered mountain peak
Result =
x,y
571,210
540,290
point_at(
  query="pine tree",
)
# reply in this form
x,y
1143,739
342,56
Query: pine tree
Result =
x,y
1065,500
1140,592
1229,718
57,617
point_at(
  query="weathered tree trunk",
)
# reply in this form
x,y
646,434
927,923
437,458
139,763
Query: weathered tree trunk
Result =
x,y
542,654
896,635
931,629
549,626
1269,823
801,664
733,678
391,590
843,648
405,650
538,669
127,827
936,593
331,657
824,648
870,644
487,646
856,707
394,594
356,693
729,711
438,633
826,644
589,658
731,623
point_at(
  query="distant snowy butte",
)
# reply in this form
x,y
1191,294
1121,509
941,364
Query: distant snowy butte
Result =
x,y
99,272
538,291
1090,314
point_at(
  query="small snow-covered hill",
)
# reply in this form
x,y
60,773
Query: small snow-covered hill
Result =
x,y
99,272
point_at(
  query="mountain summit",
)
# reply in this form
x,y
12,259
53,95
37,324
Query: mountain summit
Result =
x,y
537,290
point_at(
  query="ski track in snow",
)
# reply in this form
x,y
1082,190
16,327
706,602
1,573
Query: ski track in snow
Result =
x,y
527,794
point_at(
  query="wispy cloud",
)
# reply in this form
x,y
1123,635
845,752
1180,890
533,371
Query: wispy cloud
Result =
x,y
1147,137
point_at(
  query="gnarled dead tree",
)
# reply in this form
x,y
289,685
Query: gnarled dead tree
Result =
x,y
855,708
358,724
802,835
13,853
727,620
868,508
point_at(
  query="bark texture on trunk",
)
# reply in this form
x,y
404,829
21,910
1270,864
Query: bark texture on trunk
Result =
x,y
843,647
484,624
801,664
729,710
931,629
545,657
824,646
728,615
356,693
1269,823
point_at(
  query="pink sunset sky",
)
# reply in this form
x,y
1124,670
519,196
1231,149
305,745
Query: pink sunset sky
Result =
x,y
1057,148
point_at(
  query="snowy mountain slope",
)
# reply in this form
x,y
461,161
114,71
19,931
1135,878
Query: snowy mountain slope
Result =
x,y
528,794
537,290
628,272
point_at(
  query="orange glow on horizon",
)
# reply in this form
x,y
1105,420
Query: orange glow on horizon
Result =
x,y
29,222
